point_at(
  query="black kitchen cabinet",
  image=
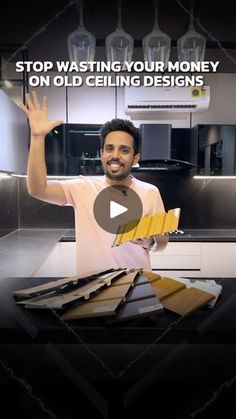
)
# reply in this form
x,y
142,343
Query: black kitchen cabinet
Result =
x,y
216,149
181,144
55,151
74,149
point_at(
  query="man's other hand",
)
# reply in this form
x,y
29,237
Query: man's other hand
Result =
x,y
145,242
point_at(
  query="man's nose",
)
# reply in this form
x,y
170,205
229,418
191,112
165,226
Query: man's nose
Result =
x,y
116,153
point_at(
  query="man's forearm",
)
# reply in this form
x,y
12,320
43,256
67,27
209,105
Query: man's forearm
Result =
x,y
36,171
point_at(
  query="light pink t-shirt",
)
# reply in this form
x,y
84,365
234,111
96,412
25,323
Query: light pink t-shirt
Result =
x,y
94,245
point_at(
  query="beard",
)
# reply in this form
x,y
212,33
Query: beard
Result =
x,y
116,176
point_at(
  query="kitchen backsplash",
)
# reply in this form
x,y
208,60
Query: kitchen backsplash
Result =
x,y
204,203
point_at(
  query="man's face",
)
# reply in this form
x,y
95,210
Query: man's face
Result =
x,y
118,155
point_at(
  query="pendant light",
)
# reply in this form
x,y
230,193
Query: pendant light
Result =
x,y
119,44
81,43
157,44
191,46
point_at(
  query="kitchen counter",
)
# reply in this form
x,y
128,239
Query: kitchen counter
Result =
x,y
187,235
204,235
23,251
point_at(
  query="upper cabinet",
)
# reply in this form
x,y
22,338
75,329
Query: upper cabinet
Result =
x,y
94,105
57,98
14,137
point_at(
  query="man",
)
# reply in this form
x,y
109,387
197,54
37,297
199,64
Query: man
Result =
x,y
119,152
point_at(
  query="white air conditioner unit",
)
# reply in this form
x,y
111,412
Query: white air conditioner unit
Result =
x,y
166,99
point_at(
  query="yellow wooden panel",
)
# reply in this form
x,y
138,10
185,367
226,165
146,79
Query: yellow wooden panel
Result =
x,y
156,225
143,227
148,226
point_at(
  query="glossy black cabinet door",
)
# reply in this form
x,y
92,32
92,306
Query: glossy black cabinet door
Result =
x,y
74,149
216,153
181,144
55,151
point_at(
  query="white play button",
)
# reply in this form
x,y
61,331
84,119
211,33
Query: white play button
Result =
x,y
116,209
115,206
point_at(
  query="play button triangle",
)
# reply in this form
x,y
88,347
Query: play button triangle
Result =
x,y
116,209
116,206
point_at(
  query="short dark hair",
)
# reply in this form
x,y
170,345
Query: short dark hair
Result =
x,y
121,125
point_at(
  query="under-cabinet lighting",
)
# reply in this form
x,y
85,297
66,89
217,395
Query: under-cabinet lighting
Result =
x,y
8,84
214,177
92,134
4,176
49,176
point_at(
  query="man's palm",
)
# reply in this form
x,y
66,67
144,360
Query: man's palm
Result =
x,y
38,115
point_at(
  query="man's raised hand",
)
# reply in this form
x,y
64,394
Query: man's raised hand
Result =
x,y
38,115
